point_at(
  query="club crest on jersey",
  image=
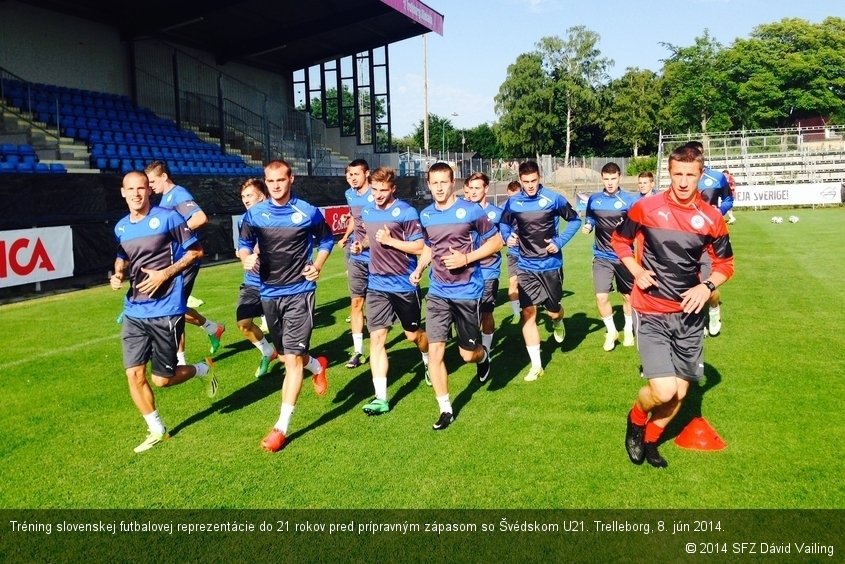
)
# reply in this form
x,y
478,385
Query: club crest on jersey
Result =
x,y
461,213
708,182
395,212
154,223
491,215
544,202
617,204
296,217
370,198
697,222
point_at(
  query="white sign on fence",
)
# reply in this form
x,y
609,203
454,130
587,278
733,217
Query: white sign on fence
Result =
x,y
788,195
34,255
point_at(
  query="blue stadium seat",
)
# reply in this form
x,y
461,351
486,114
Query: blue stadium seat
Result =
x,y
57,168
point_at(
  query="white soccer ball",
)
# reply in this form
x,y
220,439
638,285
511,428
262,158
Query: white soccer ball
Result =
x,y
777,219
793,219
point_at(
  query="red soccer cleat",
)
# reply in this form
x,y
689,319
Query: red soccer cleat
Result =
x,y
274,441
321,384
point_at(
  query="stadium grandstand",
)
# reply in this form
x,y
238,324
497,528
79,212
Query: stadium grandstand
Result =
x,y
90,90
798,155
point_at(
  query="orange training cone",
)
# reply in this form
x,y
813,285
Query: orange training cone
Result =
x,y
699,435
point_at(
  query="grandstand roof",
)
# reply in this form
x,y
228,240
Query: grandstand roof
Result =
x,y
275,35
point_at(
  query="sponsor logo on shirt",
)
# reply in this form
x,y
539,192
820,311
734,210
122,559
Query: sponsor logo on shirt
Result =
x,y
664,214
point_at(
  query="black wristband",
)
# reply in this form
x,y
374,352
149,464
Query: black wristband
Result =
x,y
710,286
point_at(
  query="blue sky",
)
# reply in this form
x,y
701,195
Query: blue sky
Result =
x,y
481,38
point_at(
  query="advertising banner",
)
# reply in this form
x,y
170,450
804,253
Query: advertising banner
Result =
x,y
34,255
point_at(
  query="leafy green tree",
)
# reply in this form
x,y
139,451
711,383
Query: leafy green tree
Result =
x,y
696,87
482,139
632,103
788,70
525,105
577,70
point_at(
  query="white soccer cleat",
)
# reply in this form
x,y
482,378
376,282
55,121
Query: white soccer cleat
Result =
x,y
610,341
714,327
628,339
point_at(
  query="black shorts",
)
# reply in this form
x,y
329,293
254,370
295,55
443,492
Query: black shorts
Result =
x,y
357,273
540,289
249,303
189,276
383,308
671,344
153,339
291,321
440,313
488,298
606,272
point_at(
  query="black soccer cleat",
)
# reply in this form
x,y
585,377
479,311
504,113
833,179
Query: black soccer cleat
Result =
x,y
634,440
653,457
482,369
444,421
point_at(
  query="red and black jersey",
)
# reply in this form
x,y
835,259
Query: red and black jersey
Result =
x,y
670,241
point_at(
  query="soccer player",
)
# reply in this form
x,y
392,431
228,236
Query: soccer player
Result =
x,y
249,307
176,197
645,184
606,210
716,191
395,239
513,256
457,235
286,230
475,190
154,306
676,228
536,212
357,265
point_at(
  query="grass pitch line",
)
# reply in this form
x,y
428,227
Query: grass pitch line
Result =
x,y
53,352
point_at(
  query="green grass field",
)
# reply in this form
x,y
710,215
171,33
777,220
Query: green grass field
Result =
x,y
774,392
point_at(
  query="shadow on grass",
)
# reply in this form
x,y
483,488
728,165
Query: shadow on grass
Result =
x,y
242,397
692,405
360,388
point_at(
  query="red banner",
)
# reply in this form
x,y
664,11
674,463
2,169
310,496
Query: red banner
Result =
x,y
336,217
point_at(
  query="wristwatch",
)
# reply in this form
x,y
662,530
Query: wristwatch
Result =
x,y
710,286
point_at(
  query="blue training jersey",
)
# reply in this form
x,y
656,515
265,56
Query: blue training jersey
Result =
x,y
537,218
491,266
716,190
357,202
153,243
604,212
464,227
286,237
251,277
390,268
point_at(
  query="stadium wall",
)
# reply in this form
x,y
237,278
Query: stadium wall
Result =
x,y
43,46
91,205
